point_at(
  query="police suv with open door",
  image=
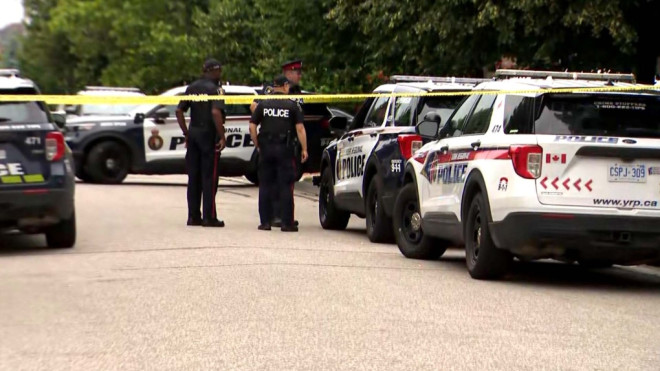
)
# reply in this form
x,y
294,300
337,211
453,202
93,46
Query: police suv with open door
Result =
x,y
573,176
37,182
362,170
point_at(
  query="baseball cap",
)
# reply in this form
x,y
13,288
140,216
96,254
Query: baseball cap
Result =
x,y
280,80
212,64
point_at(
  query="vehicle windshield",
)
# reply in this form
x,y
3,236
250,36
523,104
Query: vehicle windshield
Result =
x,y
442,105
22,112
612,115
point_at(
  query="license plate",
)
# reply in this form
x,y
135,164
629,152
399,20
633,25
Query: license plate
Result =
x,y
3,154
627,173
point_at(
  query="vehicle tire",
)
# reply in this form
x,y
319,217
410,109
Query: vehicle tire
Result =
x,y
595,264
330,217
107,163
62,234
483,259
407,224
82,175
379,225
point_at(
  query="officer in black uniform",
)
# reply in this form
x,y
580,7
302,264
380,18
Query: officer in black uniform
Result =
x,y
292,70
280,120
204,141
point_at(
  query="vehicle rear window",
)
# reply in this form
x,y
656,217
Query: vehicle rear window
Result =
x,y
22,112
518,114
612,115
444,106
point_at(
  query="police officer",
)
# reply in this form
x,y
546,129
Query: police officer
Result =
x,y
292,70
204,140
279,120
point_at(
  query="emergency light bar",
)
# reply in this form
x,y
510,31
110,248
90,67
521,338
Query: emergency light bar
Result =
x,y
104,88
10,72
627,77
451,80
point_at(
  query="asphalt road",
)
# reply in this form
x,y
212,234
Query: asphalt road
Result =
x,y
141,291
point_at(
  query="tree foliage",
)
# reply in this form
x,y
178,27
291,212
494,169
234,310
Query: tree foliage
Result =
x,y
346,45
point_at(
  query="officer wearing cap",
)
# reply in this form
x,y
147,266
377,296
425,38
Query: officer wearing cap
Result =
x,y
204,140
279,120
292,70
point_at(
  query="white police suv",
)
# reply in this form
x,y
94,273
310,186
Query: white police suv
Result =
x,y
148,140
78,110
573,176
362,171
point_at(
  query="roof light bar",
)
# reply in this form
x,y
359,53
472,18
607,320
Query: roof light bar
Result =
x,y
451,80
627,77
107,88
10,72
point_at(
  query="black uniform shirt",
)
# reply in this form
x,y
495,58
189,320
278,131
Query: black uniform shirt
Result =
x,y
277,116
201,115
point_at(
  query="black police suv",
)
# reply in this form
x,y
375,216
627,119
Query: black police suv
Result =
x,y
362,171
37,182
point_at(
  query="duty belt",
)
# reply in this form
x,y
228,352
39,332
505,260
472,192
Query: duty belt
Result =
x,y
272,138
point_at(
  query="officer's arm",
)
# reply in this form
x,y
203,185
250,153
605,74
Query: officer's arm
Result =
x,y
182,122
302,135
219,119
253,134
257,116
180,109
253,106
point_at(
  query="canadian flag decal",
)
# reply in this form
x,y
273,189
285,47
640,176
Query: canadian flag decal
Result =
x,y
554,158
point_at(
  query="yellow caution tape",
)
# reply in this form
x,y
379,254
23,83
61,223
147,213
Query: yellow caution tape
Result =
x,y
307,98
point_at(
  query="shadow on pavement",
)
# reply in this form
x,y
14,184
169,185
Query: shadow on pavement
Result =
x,y
547,273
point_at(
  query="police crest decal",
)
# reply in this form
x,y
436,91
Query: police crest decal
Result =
x,y
155,141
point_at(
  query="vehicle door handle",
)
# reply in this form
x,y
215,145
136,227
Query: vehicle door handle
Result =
x,y
444,149
476,144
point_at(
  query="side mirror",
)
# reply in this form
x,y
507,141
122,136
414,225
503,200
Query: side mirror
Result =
x,y
139,118
430,127
338,125
59,119
71,110
161,114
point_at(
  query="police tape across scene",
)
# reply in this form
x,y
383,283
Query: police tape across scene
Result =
x,y
307,98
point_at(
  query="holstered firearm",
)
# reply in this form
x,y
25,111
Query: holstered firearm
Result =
x,y
292,142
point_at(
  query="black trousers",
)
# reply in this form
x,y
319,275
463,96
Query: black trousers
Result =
x,y
202,167
277,169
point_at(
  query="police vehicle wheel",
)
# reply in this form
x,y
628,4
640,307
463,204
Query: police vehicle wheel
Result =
x,y
408,232
483,259
63,234
329,216
379,225
107,163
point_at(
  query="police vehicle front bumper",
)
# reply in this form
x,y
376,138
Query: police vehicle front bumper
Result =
x,y
35,207
618,239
